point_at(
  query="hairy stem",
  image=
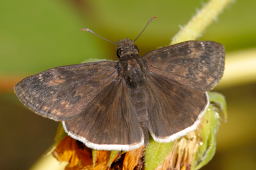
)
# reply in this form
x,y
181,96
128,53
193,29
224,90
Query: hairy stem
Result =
x,y
199,22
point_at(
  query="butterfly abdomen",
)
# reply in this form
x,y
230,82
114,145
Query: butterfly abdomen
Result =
x,y
139,102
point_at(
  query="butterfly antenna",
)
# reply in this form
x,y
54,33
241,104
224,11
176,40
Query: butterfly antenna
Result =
x,y
146,25
97,35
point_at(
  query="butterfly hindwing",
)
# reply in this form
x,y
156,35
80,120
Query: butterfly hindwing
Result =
x,y
197,64
63,92
173,109
109,122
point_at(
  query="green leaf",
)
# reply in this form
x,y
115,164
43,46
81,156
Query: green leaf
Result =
x,y
156,153
207,146
220,102
210,125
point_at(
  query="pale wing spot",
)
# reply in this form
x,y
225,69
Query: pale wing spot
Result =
x,y
54,111
63,102
67,105
55,82
45,108
40,77
202,44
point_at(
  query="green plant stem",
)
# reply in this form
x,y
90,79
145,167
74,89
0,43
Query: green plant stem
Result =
x,y
199,22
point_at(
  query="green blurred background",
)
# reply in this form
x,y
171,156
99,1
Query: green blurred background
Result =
x,y
37,35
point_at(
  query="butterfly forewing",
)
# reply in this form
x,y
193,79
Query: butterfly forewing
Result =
x,y
109,122
173,109
196,64
63,92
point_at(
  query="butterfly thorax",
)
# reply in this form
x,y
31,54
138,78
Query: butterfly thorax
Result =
x,y
132,66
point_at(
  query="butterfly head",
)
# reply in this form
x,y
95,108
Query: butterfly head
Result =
x,y
126,49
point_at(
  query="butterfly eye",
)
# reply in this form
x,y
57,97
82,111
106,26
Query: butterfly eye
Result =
x,y
118,52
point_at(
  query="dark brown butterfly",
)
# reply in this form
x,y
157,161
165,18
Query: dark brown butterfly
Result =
x,y
115,105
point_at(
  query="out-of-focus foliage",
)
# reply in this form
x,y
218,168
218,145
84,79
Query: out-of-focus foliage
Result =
x,y
36,35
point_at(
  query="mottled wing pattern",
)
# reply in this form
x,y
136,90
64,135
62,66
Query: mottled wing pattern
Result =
x,y
197,64
173,109
109,122
62,92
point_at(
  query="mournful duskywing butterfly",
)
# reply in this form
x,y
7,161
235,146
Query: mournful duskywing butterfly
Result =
x,y
115,105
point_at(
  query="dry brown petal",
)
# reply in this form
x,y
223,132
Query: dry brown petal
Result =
x,y
79,157
68,150
133,158
182,154
100,160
